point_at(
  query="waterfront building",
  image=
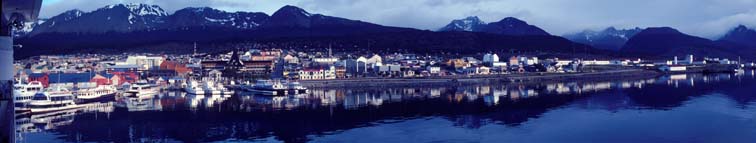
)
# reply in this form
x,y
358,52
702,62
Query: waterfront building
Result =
x,y
374,60
513,61
490,58
180,69
291,59
596,63
458,63
317,73
326,60
122,68
144,62
434,70
356,67
389,70
672,68
341,72
101,80
472,60
43,78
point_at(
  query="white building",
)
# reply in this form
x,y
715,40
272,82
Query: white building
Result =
x,y
144,62
291,59
490,58
318,73
597,63
434,70
673,68
325,60
374,60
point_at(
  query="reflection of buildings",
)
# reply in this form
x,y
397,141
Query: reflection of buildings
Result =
x,y
53,120
133,104
488,94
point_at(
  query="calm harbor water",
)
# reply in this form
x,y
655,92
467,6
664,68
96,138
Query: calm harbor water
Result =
x,y
677,108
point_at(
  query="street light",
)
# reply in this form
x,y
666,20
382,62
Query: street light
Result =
x,y
14,14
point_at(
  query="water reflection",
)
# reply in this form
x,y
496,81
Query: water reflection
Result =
x,y
176,116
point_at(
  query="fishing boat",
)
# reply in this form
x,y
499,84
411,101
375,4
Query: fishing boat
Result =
x,y
99,92
267,87
294,87
54,99
142,90
23,93
209,87
216,89
193,87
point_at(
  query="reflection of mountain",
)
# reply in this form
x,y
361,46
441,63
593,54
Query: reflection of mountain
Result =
x,y
294,118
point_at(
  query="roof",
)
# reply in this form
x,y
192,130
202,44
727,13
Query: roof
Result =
x,y
123,66
37,75
71,77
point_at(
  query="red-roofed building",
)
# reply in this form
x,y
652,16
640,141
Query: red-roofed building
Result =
x,y
40,77
123,77
101,80
172,65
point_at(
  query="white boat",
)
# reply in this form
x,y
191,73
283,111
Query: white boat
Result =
x,y
267,87
23,93
54,99
294,87
209,87
142,90
98,92
193,87
215,89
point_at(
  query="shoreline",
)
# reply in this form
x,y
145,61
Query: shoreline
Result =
x,y
481,79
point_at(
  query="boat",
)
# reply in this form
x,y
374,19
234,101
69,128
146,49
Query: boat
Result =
x,y
209,87
99,92
142,90
295,88
54,99
267,87
215,89
194,88
23,93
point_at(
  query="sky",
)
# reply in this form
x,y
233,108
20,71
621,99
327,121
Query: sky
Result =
x,y
705,18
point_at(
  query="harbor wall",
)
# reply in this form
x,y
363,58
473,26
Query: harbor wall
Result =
x,y
482,79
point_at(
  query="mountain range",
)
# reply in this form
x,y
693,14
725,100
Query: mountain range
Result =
x,y
148,28
608,39
509,26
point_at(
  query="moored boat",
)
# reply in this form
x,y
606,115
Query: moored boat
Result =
x,y
193,87
99,92
54,99
142,90
267,87
294,87
23,93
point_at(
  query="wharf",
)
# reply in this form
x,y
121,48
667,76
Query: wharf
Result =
x,y
482,79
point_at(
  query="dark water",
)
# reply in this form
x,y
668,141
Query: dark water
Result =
x,y
679,108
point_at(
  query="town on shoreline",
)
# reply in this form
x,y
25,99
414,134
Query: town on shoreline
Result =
x,y
314,68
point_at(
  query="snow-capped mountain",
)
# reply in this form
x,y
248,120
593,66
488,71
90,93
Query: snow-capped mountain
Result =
x,y
125,18
741,35
111,18
508,26
472,23
608,39
205,17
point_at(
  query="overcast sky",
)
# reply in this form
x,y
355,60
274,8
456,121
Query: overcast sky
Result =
x,y
706,18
